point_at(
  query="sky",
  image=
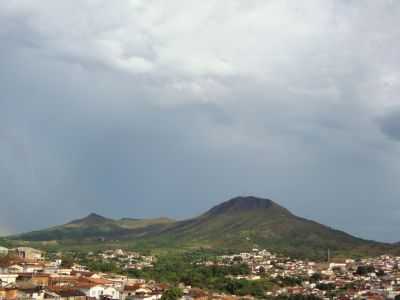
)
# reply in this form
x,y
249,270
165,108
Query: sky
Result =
x,y
146,108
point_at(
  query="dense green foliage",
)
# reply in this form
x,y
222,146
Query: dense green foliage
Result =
x,y
316,277
239,224
326,286
288,280
175,269
364,270
5,243
172,294
105,267
96,228
67,261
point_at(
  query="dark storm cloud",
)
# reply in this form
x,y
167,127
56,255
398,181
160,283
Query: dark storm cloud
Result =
x,y
390,125
140,108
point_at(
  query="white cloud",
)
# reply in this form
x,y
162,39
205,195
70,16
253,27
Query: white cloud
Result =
x,y
308,47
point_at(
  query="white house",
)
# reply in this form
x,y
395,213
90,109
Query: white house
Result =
x,y
15,269
7,279
97,291
112,292
32,268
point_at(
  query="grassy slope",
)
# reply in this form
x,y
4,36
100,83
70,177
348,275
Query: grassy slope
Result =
x,y
141,223
273,228
95,227
239,224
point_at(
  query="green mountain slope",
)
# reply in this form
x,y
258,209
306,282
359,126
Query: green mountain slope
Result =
x,y
246,222
240,223
96,227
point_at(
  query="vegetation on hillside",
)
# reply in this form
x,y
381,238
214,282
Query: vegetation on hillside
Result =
x,y
238,224
175,269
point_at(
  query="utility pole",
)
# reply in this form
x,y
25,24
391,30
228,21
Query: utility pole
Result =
x,y
329,255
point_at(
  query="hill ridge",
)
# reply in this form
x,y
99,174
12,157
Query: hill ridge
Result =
x,y
240,223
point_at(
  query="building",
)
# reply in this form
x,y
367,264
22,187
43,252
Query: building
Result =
x,y
36,279
7,279
30,292
16,268
28,253
65,294
98,291
8,293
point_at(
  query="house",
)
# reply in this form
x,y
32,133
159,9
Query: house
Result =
x,y
82,273
129,290
7,261
28,253
33,267
15,269
117,281
111,293
7,279
145,294
8,293
97,291
62,282
140,292
64,271
30,292
36,279
65,294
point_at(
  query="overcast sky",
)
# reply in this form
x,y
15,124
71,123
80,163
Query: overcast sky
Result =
x,y
165,108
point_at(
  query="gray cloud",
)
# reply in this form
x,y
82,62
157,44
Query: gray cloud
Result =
x,y
140,108
390,124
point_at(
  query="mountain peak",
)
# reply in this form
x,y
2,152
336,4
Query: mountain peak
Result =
x,y
91,218
244,203
95,216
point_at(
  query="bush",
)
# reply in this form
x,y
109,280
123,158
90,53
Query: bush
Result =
x,y
172,294
364,270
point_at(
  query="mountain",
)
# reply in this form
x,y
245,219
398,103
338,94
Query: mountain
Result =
x,y
90,220
95,226
239,223
246,222
130,223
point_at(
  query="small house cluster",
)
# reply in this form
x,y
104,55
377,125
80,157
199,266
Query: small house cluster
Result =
x,y
127,260
25,274
372,278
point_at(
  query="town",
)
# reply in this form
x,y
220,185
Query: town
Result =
x,y
27,273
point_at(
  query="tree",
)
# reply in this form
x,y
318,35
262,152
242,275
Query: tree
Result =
x,y
364,270
237,259
67,262
326,286
261,270
172,294
316,277
380,273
